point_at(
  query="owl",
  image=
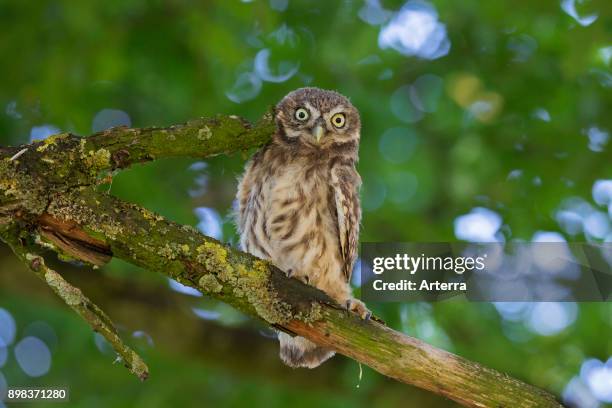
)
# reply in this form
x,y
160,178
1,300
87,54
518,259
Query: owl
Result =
x,y
298,203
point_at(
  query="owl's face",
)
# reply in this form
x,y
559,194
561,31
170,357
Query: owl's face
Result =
x,y
317,118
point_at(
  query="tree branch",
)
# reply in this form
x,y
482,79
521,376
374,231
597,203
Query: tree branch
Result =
x,y
77,301
150,307
50,188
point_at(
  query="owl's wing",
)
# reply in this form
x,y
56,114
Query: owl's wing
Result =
x,y
345,185
246,186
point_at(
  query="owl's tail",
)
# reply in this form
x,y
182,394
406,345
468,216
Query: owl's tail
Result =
x,y
299,352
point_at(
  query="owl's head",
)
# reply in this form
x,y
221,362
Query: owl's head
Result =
x,y
317,118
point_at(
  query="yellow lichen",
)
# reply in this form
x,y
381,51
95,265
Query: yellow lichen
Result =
x,y
210,284
212,255
167,252
315,313
101,158
147,215
95,160
71,295
173,250
248,282
138,367
204,133
68,207
50,141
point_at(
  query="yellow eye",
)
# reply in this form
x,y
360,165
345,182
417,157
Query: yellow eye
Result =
x,y
338,120
302,114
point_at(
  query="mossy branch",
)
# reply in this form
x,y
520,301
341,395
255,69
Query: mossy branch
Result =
x,y
50,187
77,301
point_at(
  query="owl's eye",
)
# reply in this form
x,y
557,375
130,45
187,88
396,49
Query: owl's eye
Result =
x,y
301,114
338,120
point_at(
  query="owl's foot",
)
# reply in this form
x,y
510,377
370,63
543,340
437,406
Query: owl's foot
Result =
x,y
303,278
359,308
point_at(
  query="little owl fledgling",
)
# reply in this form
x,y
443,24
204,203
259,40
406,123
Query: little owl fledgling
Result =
x,y
298,203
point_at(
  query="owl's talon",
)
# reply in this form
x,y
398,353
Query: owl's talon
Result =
x,y
289,273
359,308
303,279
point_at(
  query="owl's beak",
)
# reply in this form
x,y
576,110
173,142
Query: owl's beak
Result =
x,y
317,132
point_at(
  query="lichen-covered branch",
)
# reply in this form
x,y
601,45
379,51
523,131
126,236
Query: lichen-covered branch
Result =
x,y
50,188
77,301
30,173
259,289
148,240
120,147
197,138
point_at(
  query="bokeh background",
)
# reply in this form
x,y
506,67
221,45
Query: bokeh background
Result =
x,y
481,121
